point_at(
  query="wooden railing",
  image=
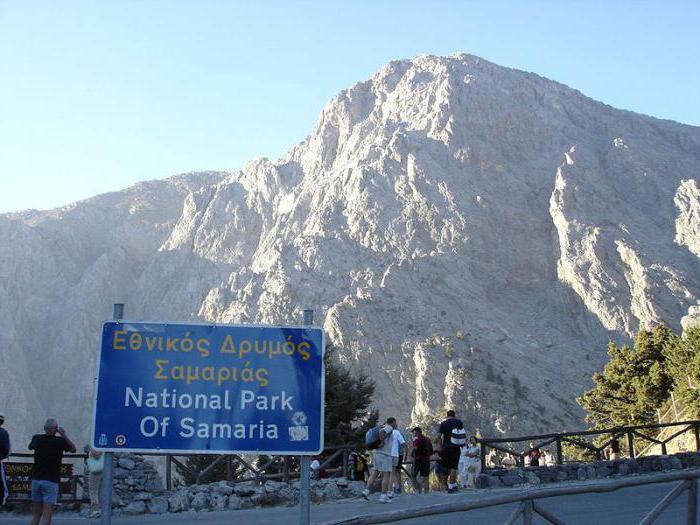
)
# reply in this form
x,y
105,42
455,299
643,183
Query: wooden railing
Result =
x,y
528,506
576,439
276,468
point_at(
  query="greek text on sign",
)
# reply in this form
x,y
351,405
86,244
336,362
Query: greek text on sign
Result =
x,y
209,389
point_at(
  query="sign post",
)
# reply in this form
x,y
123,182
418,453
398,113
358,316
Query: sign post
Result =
x,y
108,469
209,389
305,480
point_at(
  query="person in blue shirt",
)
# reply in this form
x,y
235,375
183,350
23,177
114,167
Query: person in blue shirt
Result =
x,y
4,453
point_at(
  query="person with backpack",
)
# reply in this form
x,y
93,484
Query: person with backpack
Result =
x,y
380,440
453,437
421,452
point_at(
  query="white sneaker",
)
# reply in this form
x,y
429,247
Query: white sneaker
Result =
x,y
365,494
383,499
390,494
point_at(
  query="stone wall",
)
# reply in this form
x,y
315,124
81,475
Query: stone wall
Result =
x,y
138,489
583,471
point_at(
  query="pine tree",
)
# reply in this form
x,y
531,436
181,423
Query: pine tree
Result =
x,y
633,384
348,398
683,364
198,463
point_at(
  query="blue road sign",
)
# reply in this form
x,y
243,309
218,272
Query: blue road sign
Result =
x,y
209,389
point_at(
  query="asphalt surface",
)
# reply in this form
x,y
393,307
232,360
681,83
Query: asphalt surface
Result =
x,y
625,506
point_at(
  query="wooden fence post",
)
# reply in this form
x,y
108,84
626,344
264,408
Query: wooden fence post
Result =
x,y
285,469
697,437
168,473
630,443
560,458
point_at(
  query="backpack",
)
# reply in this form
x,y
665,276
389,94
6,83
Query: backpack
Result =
x,y
372,440
458,437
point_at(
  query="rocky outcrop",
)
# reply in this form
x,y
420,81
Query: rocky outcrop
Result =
x,y
469,235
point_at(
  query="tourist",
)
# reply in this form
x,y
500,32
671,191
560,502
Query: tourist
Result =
x,y
382,465
357,465
534,455
442,469
421,451
48,453
398,456
4,454
547,458
470,464
614,450
509,462
95,462
452,433
492,459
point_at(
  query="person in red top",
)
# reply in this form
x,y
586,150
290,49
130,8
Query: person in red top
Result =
x,y
422,450
534,455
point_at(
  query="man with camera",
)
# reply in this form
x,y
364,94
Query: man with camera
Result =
x,y
48,453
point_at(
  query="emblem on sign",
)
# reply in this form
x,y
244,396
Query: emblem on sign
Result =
x,y
299,431
120,440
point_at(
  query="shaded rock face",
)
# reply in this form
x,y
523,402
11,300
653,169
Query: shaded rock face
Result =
x,y
469,235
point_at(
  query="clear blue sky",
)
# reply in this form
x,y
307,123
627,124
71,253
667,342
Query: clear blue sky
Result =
x,y
95,96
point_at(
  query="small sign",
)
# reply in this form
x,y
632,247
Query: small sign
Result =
x,y
16,486
209,389
25,469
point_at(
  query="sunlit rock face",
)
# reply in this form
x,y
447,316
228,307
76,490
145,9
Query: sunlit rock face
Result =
x,y
469,235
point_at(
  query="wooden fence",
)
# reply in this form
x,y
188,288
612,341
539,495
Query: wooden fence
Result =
x,y
576,439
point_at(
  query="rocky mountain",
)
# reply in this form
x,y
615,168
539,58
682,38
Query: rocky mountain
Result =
x,y
469,235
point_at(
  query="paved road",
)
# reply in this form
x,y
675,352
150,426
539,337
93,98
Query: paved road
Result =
x,y
615,508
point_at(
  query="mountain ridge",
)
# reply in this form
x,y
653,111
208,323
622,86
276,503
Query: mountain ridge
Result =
x,y
470,235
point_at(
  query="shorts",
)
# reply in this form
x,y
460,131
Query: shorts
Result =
x,y
44,491
397,461
441,469
421,468
382,462
451,457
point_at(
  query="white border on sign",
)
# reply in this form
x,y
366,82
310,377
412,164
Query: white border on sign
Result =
x,y
187,451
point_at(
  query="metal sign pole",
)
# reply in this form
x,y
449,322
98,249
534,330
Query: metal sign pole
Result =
x,y
108,470
305,480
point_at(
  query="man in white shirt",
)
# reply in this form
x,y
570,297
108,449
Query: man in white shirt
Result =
x,y
381,463
398,456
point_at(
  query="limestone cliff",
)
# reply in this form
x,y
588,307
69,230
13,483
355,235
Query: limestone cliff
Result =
x,y
468,234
